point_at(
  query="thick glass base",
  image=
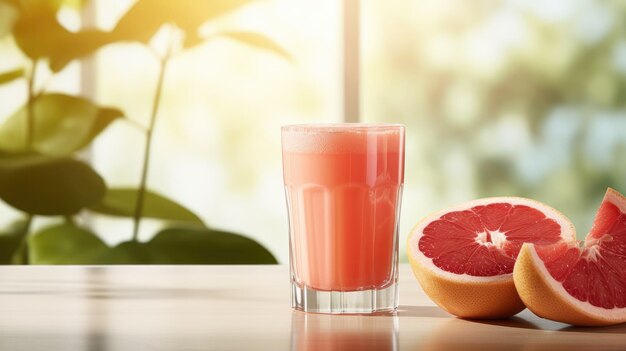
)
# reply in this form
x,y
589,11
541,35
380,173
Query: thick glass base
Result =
x,y
306,299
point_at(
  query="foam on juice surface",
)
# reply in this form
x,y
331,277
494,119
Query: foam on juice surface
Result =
x,y
340,138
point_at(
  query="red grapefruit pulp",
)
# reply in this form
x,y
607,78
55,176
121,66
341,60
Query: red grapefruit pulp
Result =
x,y
580,284
464,256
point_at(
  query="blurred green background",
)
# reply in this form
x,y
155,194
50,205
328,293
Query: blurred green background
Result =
x,y
506,97
523,98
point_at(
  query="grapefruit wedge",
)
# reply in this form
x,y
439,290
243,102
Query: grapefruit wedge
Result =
x,y
582,284
463,257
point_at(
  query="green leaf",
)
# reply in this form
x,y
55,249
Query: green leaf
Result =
x,y
129,252
37,31
76,4
10,240
65,244
63,124
78,45
10,76
205,246
12,3
56,4
9,12
258,41
146,17
45,185
189,246
39,35
121,202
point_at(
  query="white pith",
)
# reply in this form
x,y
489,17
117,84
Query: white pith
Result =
x,y
592,252
617,199
498,238
568,233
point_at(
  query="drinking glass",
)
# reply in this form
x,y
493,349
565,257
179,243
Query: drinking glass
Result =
x,y
343,184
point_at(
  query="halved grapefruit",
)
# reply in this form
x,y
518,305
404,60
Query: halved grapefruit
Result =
x,y
463,257
581,284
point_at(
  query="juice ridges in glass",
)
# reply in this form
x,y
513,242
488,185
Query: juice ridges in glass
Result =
x,y
343,191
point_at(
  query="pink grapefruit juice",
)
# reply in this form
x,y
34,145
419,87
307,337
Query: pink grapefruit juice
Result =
x,y
343,186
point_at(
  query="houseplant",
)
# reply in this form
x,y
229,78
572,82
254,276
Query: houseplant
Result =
x,y
41,173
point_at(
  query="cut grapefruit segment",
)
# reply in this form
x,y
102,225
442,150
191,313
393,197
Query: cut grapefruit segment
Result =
x,y
463,257
581,284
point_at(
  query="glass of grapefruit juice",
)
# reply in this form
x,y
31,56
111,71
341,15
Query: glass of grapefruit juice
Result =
x,y
343,184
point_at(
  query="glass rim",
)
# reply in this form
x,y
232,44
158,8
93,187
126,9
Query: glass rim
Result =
x,y
342,127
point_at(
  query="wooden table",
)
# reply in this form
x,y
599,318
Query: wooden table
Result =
x,y
241,308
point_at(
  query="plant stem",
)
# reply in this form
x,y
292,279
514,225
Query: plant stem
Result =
x,y
21,256
30,113
146,157
70,220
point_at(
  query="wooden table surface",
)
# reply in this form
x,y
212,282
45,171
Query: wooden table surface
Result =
x,y
241,308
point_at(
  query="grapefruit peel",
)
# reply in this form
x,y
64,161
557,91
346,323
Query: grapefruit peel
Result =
x,y
470,296
548,298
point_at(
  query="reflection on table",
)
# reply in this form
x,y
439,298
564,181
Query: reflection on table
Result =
x,y
312,332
